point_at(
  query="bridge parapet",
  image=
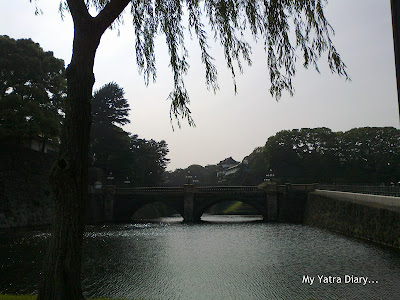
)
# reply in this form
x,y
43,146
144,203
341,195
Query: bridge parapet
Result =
x,y
296,187
140,190
225,189
270,187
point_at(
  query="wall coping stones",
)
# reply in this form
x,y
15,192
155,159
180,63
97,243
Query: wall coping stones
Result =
x,y
388,202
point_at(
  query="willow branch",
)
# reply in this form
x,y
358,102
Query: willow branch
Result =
x,y
110,13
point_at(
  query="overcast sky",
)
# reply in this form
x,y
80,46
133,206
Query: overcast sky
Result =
x,y
229,124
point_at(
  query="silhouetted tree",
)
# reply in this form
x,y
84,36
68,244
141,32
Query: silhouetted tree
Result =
x,y
32,87
110,150
115,150
109,106
368,155
110,144
202,175
150,161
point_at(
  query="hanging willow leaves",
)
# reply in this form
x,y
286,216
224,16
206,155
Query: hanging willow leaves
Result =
x,y
289,30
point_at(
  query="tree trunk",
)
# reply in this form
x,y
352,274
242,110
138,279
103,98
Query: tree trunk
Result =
x,y
62,269
69,177
395,7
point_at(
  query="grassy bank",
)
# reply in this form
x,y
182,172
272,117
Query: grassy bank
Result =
x,y
33,297
18,297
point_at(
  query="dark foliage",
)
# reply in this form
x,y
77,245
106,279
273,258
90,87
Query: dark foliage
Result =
x,y
32,88
369,155
109,105
115,150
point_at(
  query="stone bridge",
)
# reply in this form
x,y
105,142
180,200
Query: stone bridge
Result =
x,y
274,202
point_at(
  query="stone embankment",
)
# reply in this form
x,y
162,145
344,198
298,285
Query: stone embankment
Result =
x,y
25,198
371,217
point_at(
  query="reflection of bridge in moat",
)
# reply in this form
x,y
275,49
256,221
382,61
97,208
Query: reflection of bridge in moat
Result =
x,y
273,202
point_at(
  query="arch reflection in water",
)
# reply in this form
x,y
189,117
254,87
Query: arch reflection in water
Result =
x,y
155,211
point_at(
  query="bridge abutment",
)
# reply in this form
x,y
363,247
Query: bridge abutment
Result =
x,y
109,196
188,203
95,206
271,207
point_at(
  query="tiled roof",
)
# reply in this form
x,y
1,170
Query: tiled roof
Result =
x,y
228,161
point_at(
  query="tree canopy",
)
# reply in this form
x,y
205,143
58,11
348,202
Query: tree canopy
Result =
x,y
369,155
201,176
115,150
109,105
32,88
149,161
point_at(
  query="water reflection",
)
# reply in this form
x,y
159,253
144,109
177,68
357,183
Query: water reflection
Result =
x,y
215,259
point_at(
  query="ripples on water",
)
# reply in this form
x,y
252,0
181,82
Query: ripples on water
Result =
x,y
224,257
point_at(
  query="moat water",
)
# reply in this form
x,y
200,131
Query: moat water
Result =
x,y
224,257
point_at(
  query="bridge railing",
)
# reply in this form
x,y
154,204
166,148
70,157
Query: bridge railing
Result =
x,y
150,190
227,189
393,191
207,189
307,187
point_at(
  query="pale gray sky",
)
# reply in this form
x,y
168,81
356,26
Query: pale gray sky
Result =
x,y
228,124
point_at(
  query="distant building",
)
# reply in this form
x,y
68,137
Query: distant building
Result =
x,y
227,163
232,170
227,166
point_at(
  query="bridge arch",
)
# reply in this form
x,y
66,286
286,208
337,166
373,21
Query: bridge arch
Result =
x,y
154,209
205,203
124,210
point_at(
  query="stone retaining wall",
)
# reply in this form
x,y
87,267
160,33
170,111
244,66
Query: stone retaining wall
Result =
x,y
372,221
25,198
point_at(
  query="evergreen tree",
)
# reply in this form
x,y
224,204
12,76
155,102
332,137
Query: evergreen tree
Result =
x,y
32,88
109,106
115,150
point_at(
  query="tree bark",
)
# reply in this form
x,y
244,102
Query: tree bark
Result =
x,y
69,177
395,7
62,268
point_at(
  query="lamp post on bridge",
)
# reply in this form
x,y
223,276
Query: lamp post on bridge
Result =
x,y
110,178
269,176
109,194
221,178
188,199
189,178
271,208
127,181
